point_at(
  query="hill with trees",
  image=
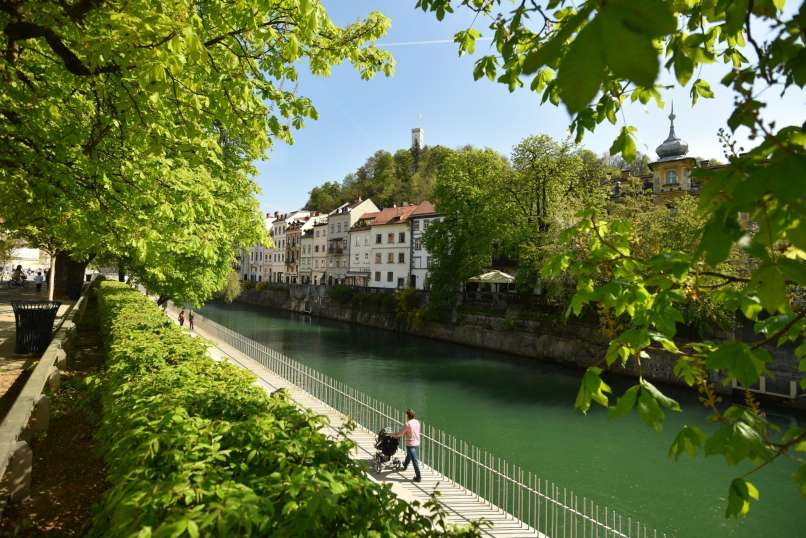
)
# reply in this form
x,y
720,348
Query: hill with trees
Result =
x,y
407,176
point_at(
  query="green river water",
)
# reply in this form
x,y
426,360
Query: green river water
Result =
x,y
522,410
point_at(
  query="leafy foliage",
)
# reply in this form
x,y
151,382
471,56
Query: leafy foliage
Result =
x,y
194,448
405,176
468,192
233,287
129,128
595,56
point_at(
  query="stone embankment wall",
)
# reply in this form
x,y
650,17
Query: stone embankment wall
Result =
x,y
557,340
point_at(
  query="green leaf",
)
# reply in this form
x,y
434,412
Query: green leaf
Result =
x,y
625,144
720,232
649,411
651,17
592,388
768,281
700,88
739,496
630,55
661,398
683,67
625,403
582,69
548,52
739,361
688,440
799,476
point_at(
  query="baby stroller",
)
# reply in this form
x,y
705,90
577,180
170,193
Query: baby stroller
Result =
x,y
386,447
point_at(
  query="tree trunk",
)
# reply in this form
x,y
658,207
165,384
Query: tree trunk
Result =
x,y
70,275
51,275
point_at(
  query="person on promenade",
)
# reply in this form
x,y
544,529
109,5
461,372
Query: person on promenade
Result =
x,y
39,279
411,434
190,320
182,318
18,277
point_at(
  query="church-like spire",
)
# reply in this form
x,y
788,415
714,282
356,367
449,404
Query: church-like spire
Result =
x,y
673,146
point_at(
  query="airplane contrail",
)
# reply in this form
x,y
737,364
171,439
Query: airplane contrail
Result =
x,y
428,42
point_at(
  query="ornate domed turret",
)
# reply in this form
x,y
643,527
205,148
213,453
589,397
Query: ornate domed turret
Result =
x,y
673,146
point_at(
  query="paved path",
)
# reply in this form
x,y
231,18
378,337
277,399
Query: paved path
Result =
x,y
462,505
11,364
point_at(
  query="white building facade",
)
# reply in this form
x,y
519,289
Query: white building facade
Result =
x,y
420,219
340,221
319,256
390,240
358,273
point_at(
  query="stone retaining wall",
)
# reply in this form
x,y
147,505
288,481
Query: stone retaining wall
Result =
x,y
557,340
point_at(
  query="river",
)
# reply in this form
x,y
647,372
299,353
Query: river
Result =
x,y
522,410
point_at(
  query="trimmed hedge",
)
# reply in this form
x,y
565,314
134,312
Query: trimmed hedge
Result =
x,y
193,447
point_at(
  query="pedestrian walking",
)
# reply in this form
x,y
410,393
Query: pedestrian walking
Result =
x,y
190,320
410,432
182,318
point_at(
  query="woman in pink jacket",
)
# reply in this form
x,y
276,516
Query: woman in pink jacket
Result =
x,y
410,432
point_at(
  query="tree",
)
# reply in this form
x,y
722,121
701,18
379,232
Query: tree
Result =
x,y
593,57
405,177
326,197
468,193
129,129
233,287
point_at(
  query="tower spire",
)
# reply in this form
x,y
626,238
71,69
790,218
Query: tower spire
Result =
x,y
672,134
673,146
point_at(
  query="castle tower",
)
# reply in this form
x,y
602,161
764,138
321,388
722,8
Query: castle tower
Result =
x,y
418,138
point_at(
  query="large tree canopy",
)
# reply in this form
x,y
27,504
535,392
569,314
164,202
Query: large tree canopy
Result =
x,y
595,56
129,128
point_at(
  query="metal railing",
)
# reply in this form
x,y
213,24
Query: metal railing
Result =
x,y
544,506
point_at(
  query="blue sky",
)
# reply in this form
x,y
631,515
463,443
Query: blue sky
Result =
x,y
433,88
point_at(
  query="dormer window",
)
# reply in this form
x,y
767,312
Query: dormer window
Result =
x,y
671,177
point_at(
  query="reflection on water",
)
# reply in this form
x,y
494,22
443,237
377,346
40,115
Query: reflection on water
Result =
x,y
522,410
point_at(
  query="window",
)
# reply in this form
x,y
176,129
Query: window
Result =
x,y
401,257
377,276
390,258
366,256
400,282
378,257
418,244
377,239
316,248
356,256
428,262
401,237
390,237
317,233
390,276
426,222
671,177
415,224
332,228
338,227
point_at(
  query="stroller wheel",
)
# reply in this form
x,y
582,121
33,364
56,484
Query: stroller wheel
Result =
x,y
378,464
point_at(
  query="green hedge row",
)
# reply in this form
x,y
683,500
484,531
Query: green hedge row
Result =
x,y
194,448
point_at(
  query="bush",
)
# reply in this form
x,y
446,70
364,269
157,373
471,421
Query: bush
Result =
x,y
192,446
261,286
340,294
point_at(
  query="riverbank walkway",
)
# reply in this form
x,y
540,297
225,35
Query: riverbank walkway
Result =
x,y
461,505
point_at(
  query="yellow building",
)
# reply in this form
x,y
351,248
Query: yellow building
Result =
x,y
671,173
